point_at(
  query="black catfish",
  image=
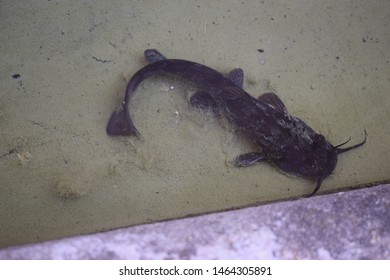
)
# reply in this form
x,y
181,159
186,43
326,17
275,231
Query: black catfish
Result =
x,y
283,140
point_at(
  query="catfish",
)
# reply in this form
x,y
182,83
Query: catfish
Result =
x,y
283,140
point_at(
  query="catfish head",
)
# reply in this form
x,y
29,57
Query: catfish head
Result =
x,y
322,160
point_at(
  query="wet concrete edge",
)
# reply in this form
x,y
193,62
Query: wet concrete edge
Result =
x,y
346,225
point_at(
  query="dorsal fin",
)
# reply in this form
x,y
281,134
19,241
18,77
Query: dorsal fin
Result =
x,y
236,76
152,56
272,99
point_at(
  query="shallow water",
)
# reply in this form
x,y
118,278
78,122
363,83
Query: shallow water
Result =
x,y
62,175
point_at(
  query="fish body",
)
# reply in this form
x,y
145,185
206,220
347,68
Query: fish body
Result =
x,y
285,141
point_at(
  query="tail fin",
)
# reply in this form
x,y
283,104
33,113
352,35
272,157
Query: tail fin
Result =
x,y
152,56
120,124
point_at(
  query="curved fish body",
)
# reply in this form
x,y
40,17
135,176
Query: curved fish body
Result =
x,y
283,140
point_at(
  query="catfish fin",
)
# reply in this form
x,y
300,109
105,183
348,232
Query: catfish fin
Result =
x,y
272,99
233,93
118,124
153,55
249,159
203,100
236,76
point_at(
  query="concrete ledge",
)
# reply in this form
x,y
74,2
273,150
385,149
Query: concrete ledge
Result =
x,y
349,225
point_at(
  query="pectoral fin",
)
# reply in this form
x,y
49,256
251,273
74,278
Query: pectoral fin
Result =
x,y
233,93
272,99
249,159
